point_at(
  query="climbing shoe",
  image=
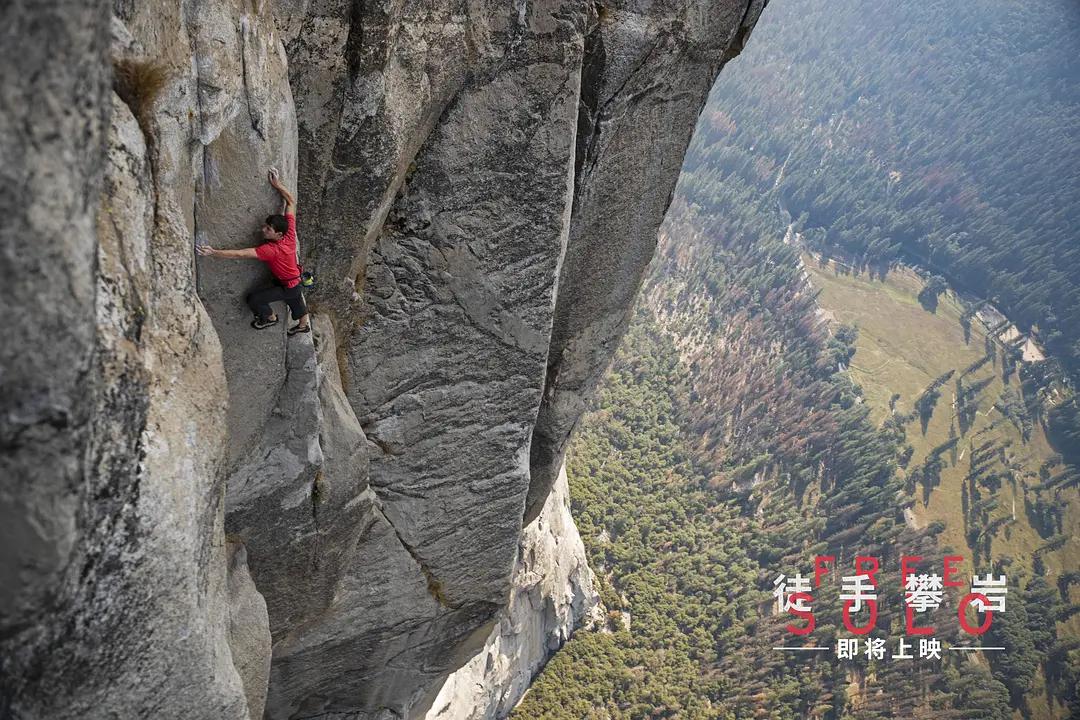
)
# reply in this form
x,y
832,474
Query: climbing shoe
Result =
x,y
259,324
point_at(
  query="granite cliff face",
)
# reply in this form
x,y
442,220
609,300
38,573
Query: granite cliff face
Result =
x,y
552,595
201,520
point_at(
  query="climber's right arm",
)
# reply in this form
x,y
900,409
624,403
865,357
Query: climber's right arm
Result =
x,y
240,254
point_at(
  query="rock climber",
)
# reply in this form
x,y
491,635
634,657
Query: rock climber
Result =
x,y
279,252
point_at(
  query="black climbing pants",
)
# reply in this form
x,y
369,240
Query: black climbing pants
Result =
x,y
259,301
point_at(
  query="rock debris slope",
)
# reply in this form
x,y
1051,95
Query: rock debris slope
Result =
x,y
202,521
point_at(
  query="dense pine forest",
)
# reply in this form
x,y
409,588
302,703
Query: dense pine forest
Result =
x,y
942,133
731,440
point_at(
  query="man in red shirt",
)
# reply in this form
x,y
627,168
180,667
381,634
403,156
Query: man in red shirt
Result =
x,y
279,252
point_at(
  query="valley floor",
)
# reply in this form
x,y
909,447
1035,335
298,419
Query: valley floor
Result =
x,y
901,349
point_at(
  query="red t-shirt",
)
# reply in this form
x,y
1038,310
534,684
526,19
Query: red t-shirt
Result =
x,y
280,255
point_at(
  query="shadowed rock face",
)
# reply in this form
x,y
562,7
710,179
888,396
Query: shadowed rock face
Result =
x,y
114,601
480,185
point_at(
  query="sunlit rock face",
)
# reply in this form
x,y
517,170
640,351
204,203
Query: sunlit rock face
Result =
x,y
552,595
204,520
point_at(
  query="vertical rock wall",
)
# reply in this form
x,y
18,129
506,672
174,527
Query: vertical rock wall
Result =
x,y
485,181
115,600
647,73
480,185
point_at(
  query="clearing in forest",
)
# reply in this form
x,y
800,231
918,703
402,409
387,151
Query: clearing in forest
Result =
x,y
902,349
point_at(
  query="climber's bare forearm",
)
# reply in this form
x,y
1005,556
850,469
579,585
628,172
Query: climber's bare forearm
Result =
x,y
288,202
239,254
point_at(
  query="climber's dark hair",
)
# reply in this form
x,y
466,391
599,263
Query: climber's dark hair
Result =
x,y
278,223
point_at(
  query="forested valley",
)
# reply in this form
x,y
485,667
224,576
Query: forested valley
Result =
x,y
907,166
946,134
